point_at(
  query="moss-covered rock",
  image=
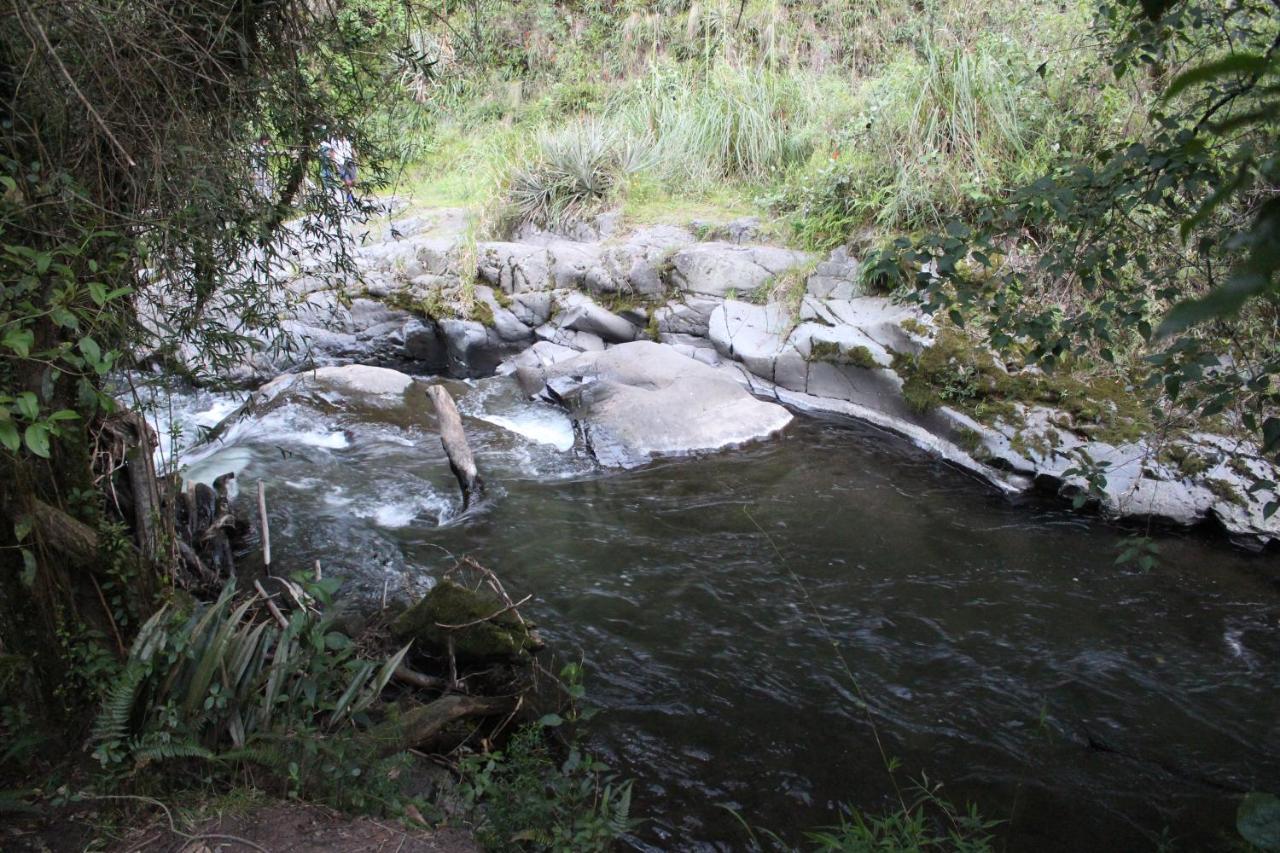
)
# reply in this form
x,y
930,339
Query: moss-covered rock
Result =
x,y
958,372
490,632
834,353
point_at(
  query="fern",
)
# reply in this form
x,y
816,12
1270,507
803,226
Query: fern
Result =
x,y
144,755
117,708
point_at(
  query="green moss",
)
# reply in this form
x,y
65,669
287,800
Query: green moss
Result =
x,y
970,441
915,327
1224,491
1241,467
652,328
958,373
1186,459
487,636
482,313
834,353
502,298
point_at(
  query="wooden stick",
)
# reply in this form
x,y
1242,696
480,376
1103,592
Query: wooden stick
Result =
x,y
266,528
271,605
454,440
418,679
319,577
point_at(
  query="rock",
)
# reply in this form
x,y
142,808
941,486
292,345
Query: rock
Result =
x,y
532,309
720,269
636,266
689,315
505,322
373,387
541,355
492,633
520,267
742,230
582,315
752,334
578,341
424,344
838,277
472,348
640,400
514,267
717,269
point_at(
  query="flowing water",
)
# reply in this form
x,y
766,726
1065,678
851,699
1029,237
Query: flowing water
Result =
x,y
734,610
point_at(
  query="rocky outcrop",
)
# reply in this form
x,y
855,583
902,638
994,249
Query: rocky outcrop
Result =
x,y
574,315
642,400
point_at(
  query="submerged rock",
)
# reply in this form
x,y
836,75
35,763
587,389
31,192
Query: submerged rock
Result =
x,y
480,624
640,400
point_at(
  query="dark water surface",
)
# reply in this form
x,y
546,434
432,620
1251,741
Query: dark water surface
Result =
x,y
999,648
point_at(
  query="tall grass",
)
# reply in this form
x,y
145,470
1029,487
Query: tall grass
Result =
x,y
676,127
728,122
940,134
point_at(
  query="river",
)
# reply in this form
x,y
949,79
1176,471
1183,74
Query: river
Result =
x,y
733,610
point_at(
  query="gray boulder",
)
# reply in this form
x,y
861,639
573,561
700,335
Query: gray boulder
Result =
x,y
472,348
580,314
835,278
641,400
716,269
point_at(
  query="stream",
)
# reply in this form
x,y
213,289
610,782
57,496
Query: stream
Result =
x,y
735,610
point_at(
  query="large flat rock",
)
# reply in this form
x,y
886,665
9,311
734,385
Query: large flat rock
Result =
x,y
641,400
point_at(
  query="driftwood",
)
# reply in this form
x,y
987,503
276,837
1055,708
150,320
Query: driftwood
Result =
x,y
418,679
419,726
454,439
266,528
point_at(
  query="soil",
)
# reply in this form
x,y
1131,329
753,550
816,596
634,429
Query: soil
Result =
x,y
275,827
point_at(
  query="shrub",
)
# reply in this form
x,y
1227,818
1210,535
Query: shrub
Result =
x,y
572,172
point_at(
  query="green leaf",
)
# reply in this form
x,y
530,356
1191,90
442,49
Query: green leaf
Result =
x,y
1222,194
22,527
42,262
550,721
9,436
91,350
28,405
20,341
37,439
64,415
1258,820
1234,63
1270,435
28,569
1224,301
98,293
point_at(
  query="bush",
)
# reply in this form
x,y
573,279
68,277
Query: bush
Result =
x,y
939,136
526,798
572,173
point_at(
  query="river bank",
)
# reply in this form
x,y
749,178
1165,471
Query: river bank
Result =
x,y
432,300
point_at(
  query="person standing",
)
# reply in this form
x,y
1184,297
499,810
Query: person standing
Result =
x,y
345,159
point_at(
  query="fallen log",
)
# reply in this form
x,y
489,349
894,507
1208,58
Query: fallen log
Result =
x,y
419,726
65,535
456,447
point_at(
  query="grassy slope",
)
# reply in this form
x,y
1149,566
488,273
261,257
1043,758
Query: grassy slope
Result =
x,y
835,119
